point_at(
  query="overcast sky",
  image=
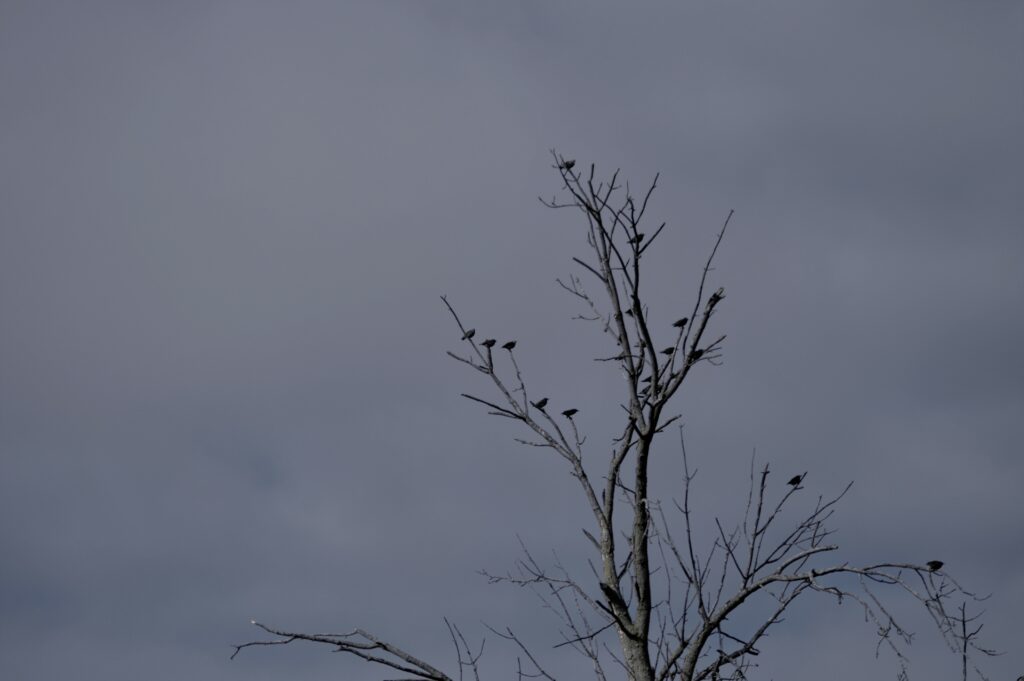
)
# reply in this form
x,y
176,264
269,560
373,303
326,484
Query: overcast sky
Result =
x,y
225,228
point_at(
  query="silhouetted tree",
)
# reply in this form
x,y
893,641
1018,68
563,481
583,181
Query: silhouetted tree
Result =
x,y
673,609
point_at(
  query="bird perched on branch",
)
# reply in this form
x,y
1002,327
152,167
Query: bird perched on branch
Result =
x,y
636,239
508,346
541,403
569,413
680,323
568,165
668,351
696,354
934,565
468,334
489,343
796,480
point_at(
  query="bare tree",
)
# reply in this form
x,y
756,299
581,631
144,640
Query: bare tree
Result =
x,y
657,606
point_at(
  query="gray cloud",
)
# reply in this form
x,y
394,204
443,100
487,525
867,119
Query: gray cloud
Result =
x,y
224,234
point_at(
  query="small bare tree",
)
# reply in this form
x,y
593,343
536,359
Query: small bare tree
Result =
x,y
670,606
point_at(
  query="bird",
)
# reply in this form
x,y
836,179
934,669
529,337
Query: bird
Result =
x,y
796,480
468,334
569,413
508,346
568,165
668,351
541,403
489,343
636,239
934,565
680,323
696,354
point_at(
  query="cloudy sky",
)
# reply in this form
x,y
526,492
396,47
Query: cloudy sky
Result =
x,y
225,228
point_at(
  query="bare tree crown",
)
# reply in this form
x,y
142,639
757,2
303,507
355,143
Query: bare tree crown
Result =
x,y
657,607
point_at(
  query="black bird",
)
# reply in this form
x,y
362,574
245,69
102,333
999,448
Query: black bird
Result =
x,y
541,403
680,323
668,351
489,343
796,480
934,565
569,413
468,334
508,346
696,354
568,165
636,239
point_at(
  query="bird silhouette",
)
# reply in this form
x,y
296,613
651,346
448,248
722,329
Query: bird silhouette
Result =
x,y
468,334
568,165
541,403
508,346
569,413
934,565
696,354
668,351
680,323
796,480
489,343
636,239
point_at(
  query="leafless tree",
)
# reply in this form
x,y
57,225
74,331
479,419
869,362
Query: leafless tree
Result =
x,y
966,636
657,606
